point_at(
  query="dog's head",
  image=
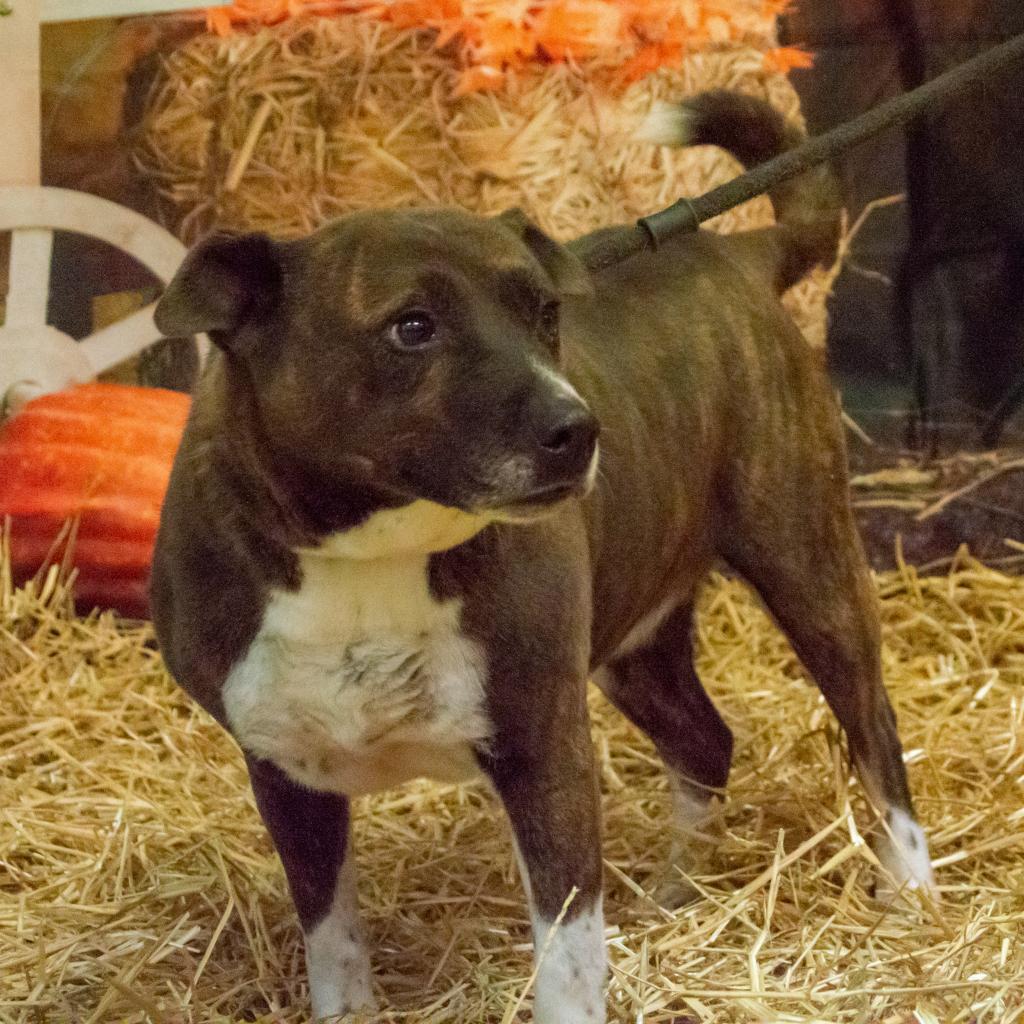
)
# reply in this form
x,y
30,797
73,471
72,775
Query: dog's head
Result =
x,y
417,349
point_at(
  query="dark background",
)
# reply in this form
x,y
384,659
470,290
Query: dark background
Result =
x,y
929,318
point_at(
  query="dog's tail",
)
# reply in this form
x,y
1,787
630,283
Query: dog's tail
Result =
x,y
808,207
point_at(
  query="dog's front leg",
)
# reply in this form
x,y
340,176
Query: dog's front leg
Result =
x,y
310,831
551,796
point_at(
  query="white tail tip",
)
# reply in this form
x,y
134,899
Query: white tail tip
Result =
x,y
668,124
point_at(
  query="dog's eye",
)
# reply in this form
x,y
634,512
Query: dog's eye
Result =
x,y
413,329
549,325
549,318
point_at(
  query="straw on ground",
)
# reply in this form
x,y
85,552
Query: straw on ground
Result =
x,y
137,883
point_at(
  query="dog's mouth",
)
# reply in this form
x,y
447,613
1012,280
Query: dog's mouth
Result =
x,y
526,500
552,494
539,502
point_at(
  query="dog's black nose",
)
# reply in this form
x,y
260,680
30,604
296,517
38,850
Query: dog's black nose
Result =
x,y
566,439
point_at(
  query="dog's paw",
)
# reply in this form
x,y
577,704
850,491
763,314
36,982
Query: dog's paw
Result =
x,y
343,993
696,830
891,889
346,1012
902,851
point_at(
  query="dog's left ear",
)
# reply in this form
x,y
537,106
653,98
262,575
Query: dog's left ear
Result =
x,y
225,283
566,270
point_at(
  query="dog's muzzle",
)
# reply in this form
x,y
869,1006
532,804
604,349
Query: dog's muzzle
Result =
x,y
560,451
566,438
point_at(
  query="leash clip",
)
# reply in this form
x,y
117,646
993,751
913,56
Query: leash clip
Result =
x,y
681,216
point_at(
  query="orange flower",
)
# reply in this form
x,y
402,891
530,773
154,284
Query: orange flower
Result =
x,y
368,8
449,31
578,28
649,59
503,41
218,20
784,58
408,13
490,37
678,33
480,78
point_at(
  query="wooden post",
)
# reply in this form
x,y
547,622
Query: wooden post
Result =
x,y
19,57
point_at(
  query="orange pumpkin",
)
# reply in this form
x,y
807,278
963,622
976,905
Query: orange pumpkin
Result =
x,y
99,456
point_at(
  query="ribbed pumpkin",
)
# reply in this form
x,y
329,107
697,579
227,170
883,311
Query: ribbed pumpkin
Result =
x,y
100,455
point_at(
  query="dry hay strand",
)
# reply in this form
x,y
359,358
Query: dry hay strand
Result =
x,y
927,487
138,884
290,126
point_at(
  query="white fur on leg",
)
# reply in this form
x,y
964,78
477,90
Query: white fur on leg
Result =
x,y
691,807
903,852
340,980
692,820
570,980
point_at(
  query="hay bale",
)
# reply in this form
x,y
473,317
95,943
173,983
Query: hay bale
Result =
x,y
138,885
289,126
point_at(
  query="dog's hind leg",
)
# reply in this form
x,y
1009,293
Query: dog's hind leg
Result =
x,y
801,551
657,688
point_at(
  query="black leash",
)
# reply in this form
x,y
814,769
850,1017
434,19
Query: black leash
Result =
x,y
688,214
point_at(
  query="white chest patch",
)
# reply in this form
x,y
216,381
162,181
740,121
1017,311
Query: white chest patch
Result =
x,y
361,679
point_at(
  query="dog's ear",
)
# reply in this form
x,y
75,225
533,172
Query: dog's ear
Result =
x,y
566,270
225,282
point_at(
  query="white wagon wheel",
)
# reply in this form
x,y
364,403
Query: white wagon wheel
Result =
x,y
36,358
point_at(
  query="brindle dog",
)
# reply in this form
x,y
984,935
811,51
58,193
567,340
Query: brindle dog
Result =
x,y
393,545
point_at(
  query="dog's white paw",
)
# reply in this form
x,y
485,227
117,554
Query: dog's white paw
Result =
x,y
338,963
572,970
696,825
348,990
336,1000
902,851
